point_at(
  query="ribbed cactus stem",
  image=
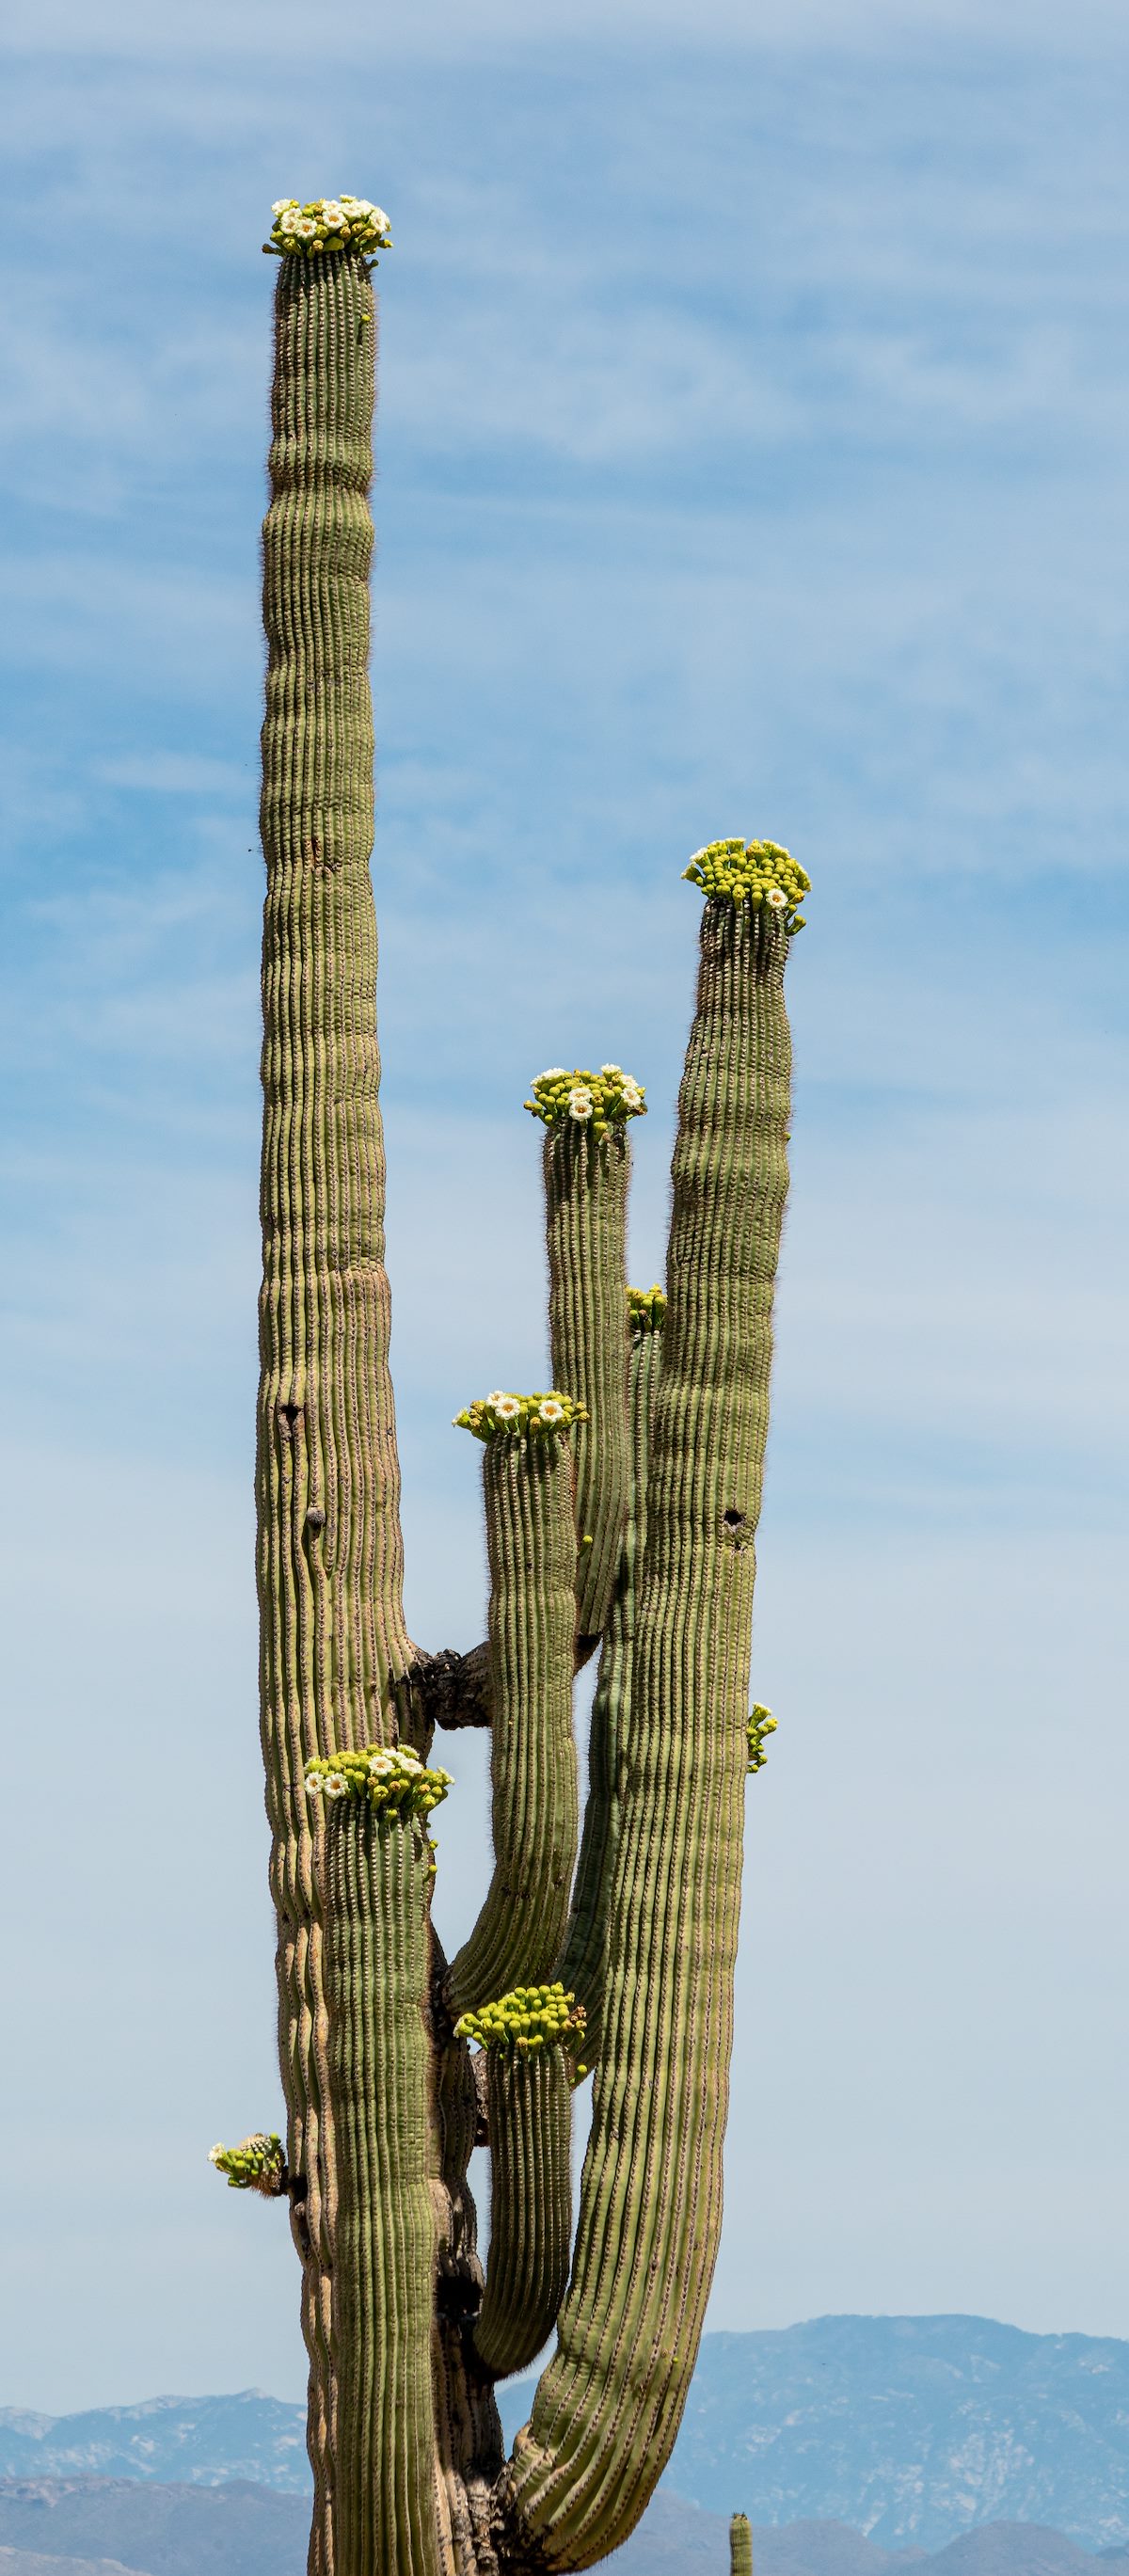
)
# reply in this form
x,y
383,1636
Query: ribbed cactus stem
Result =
x,y
377,1882
531,1550
530,2114
585,1953
333,1640
608,2407
586,1182
740,2545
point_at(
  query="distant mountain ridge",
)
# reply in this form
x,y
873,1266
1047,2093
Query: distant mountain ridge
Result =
x,y
197,2441
244,2530
910,2431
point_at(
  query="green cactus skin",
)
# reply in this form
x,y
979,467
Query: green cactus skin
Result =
x,y
583,1962
608,2407
586,1183
531,1549
405,2342
377,1881
333,1641
530,2114
740,2545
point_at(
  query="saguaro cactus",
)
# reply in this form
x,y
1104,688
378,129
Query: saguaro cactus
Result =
x,y
621,1509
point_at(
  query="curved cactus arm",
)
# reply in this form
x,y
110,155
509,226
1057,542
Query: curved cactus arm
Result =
x,y
378,1873
333,1641
582,1964
468,2432
740,2545
587,1162
608,2407
529,2041
531,1548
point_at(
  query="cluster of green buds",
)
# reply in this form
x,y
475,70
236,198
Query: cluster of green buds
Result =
x,y
646,1309
520,1417
528,2019
257,2164
761,1724
596,1101
327,223
391,1777
759,872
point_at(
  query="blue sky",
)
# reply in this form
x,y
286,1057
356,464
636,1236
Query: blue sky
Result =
x,y
753,408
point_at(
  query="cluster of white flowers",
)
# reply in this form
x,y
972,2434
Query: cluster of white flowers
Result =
x,y
519,1416
759,872
327,223
257,2164
592,1100
761,1724
391,1777
527,2020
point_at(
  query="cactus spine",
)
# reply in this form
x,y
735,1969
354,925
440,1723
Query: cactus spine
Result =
x,y
620,1508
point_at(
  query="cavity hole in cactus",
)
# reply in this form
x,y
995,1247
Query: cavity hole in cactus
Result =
x,y
289,1416
315,1517
733,1519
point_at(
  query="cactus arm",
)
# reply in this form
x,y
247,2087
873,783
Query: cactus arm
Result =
x,y
740,2545
530,2209
587,1166
582,1964
608,2407
333,1641
377,1880
468,2433
531,1549
586,1231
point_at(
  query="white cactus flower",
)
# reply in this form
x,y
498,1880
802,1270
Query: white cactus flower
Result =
x,y
506,1406
551,1411
580,1103
777,898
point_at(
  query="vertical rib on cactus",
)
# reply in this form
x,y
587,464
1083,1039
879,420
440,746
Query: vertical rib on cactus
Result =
x,y
531,1548
377,1880
740,2545
582,1965
587,1162
530,2113
608,2407
333,1641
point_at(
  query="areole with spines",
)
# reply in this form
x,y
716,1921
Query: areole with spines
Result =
x,y
409,2476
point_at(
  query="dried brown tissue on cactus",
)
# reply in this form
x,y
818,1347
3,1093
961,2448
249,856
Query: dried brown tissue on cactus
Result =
x,y
620,1507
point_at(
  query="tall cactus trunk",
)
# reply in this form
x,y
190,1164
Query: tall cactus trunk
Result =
x,y
621,1510
333,1642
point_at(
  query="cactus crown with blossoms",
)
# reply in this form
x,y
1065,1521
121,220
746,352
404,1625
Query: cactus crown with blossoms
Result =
x,y
526,2020
520,1416
761,1724
391,1777
756,872
595,1101
257,2164
327,223
646,1309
